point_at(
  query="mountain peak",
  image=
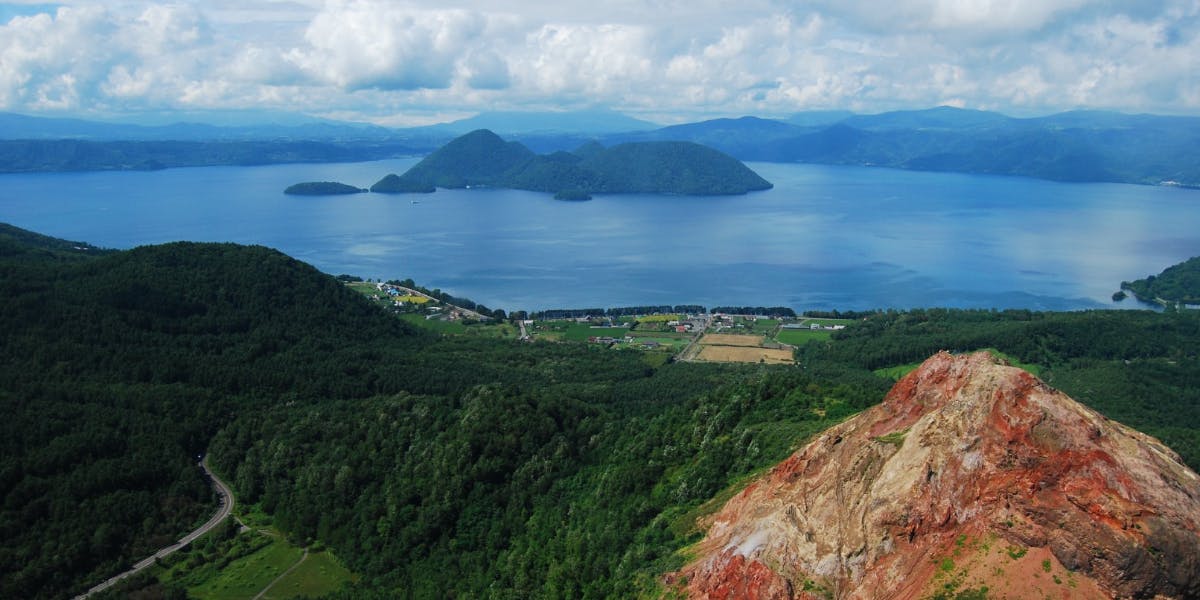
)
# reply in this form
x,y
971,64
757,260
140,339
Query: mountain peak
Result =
x,y
969,469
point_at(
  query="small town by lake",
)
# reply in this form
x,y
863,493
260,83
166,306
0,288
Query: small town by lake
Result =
x,y
825,237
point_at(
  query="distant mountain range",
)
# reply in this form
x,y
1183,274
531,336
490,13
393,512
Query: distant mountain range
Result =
x,y
1071,146
482,158
588,122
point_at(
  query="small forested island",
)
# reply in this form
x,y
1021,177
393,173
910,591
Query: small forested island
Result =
x,y
1177,284
322,188
482,158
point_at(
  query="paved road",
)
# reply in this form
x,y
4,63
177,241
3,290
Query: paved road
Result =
x,y
227,502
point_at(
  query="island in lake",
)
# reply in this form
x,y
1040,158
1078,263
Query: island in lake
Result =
x,y
482,159
322,188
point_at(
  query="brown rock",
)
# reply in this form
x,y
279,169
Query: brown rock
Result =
x,y
971,473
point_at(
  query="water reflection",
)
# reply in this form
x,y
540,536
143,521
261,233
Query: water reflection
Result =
x,y
824,237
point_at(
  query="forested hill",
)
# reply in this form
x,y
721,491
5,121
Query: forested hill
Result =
x,y
1176,284
437,466
481,158
432,466
118,368
19,245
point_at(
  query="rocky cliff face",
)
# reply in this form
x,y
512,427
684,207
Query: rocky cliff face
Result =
x,y
970,475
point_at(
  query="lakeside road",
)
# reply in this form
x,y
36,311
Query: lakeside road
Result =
x,y
467,311
226,509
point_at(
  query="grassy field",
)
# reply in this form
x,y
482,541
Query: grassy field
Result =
x,y
369,289
897,372
319,574
247,576
571,331
438,325
673,343
826,322
1035,370
799,337
239,565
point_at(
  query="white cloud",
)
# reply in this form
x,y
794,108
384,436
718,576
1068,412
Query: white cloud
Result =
x,y
43,65
485,70
361,44
382,59
970,17
573,60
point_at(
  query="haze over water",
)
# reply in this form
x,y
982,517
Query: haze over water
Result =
x,y
825,237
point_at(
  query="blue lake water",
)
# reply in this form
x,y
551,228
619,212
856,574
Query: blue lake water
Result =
x,y
825,237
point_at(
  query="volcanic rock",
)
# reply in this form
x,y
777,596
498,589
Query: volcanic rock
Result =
x,y
972,477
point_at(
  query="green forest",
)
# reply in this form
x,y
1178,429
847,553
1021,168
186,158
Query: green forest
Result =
x,y
438,465
1176,284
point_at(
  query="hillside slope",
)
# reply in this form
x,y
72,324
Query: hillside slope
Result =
x,y
971,476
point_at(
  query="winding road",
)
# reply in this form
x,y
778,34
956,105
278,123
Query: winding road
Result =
x,y
227,503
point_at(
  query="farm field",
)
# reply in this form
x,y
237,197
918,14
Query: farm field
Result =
x,y
658,318
745,354
728,339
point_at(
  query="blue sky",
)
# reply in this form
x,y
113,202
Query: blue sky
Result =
x,y
408,63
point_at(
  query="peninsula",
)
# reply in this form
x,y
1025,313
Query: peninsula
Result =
x,y
1177,284
482,159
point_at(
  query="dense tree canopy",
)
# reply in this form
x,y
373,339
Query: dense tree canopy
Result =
x,y
1176,284
437,466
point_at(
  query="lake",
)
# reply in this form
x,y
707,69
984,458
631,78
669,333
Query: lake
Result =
x,y
825,237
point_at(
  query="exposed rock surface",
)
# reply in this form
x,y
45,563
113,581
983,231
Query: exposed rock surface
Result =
x,y
970,474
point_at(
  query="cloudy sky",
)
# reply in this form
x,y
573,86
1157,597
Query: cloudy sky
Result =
x,y
399,63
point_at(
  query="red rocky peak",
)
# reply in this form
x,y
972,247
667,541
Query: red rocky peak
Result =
x,y
970,474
